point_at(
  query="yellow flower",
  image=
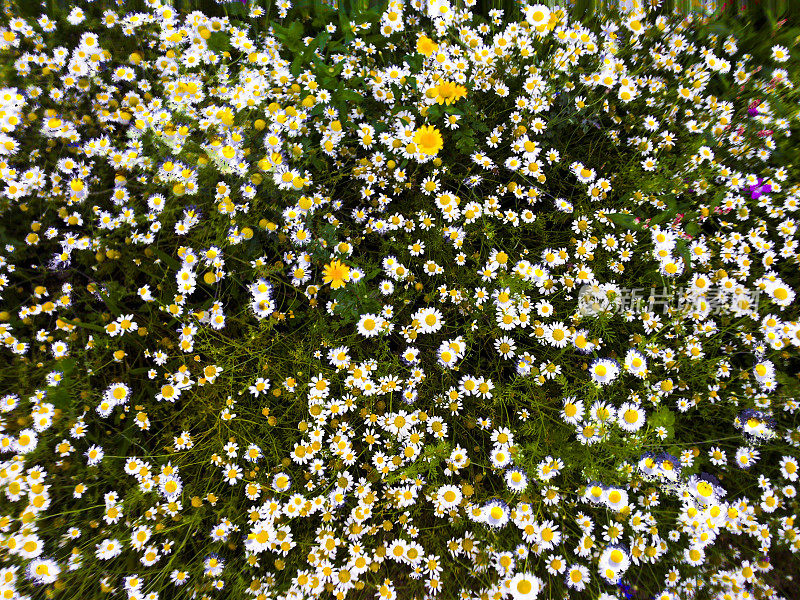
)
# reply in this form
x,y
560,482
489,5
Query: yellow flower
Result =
x,y
426,45
428,139
448,92
337,274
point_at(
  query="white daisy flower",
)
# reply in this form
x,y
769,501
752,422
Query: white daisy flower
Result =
x,y
604,371
496,513
369,325
524,586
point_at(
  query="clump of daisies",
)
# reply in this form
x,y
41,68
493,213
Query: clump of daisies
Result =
x,y
437,305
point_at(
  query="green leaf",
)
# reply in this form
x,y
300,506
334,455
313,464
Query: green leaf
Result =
x,y
663,216
415,63
127,437
166,259
219,41
708,136
320,42
374,14
66,366
663,417
771,18
683,250
344,26
370,305
138,371
91,326
295,31
350,96
480,126
237,9
316,162
279,31
323,12
60,397
625,220
325,73
465,145
290,36
297,65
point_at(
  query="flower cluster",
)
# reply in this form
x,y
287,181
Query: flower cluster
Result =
x,y
308,317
